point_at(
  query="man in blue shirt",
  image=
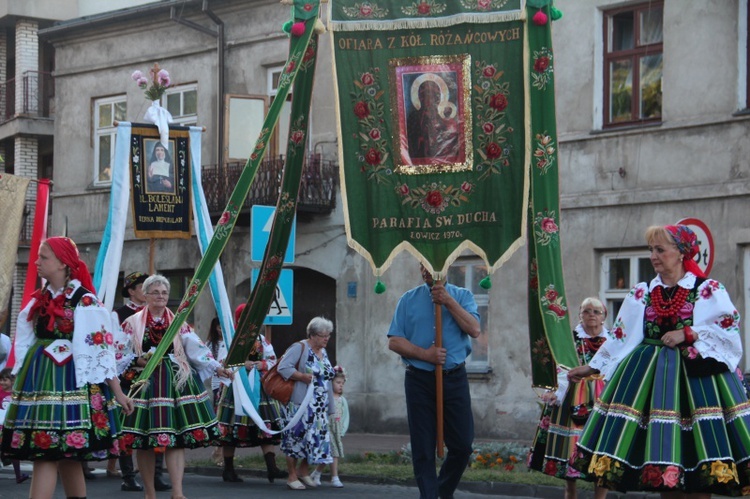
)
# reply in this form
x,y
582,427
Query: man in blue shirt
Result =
x,y
412,336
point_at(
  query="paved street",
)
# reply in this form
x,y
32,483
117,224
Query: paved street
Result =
x,y
207,487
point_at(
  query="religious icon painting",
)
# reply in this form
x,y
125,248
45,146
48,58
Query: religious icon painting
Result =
x,y
159,170
431,97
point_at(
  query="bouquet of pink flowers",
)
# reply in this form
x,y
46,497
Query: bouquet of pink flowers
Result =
x,y
159,79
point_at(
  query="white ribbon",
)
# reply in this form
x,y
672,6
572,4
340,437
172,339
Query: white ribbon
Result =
x,y
243,404
161,118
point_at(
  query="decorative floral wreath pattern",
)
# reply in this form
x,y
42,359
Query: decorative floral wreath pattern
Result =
x,y
435,197
365,10
423,8
490,102
482,5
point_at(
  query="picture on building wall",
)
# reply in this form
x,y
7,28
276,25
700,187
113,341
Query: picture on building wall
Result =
x,y
432,101
159,170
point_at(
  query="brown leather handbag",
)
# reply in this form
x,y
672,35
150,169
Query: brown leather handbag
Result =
x,y
276,386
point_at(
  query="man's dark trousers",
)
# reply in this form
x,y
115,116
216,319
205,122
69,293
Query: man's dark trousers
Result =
x,y
419,387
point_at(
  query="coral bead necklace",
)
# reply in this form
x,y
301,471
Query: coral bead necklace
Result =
x,y
668,307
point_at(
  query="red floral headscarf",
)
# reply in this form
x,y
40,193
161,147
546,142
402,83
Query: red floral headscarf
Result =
x,y
687,244
66,251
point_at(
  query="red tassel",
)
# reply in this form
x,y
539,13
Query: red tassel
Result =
x,y
540,18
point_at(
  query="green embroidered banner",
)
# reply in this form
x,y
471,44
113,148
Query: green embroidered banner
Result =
x,y
299,55
549,317
433,124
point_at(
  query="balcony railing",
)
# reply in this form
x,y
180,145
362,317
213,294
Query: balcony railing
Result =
x,y
317,187
37,91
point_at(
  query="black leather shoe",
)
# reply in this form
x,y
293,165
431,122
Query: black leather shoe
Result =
x,y
88,473
160,485
231,476
130,485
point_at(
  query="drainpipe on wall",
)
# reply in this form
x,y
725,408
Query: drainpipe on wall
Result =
x,y
219,35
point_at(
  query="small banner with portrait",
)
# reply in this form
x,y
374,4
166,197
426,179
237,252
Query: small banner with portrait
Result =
x,y
160,181
433,118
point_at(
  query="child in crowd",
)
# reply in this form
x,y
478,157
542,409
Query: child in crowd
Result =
x,y
6,391
338,423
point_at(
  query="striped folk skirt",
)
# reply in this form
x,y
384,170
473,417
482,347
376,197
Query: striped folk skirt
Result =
x,y
560,428
50,418
241,431
656,428
167,417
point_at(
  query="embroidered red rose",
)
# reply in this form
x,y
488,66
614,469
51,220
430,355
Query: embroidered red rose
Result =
x,y
618,333
199,435
541,64
365,9
434,198
42,439
488,128
484,4
193,290
534,283
372,156
499,102
489,71
557,309
97,338
551,295
290,67
466,187
727,321
87,300
100,420
423,8
550,468
65,326
308,7
361,110
309,54
651,475
375,134
403,189
493,151
297,136
639,294
224,218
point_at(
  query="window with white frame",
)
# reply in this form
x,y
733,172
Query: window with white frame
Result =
x,y
106,112
281,134
633,63
182,104
621,271
466,273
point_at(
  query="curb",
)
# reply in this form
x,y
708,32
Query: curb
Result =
x,y
485,488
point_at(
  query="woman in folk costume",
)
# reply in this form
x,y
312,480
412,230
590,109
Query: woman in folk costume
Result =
x,y
567,408
241,431
673,416
63,408
173,409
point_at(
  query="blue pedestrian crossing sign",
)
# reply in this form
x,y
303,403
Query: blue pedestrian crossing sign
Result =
x,y
261,220
280,311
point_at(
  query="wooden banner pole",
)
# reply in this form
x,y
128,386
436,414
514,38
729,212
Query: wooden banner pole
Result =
x,y
439,378
151,256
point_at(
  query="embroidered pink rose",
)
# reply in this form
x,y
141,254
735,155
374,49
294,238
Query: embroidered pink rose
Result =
x,y
686,310
365,9
68,313
109,338
692,353
17,440
707,292
97,402
671,476
650,314
163,439
76,439
639,294
544,423
224,218
484,4
549,225
367,79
